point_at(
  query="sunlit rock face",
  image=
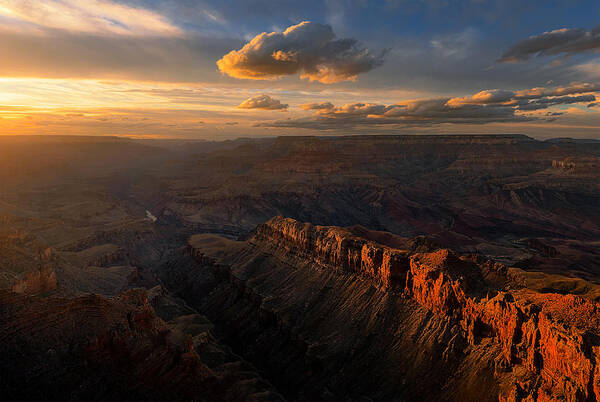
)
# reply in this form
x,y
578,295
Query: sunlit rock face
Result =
x,y
337,249
327,303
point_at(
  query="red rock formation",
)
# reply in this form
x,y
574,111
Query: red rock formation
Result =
x,y
549,343
336,248
550,338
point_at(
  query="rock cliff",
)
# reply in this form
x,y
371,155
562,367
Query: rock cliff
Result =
x,y
418,318
335,248
549,342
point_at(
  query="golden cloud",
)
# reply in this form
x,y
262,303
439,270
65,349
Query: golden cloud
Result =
x,y
309,49
264,102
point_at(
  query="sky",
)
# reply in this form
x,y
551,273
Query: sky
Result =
x,y
224,69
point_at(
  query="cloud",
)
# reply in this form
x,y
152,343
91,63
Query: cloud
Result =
x,y
317,106
572,89
561,41
483,97
544,103
524,99
489,106
308,48
576,111
89,16
264,102
417,113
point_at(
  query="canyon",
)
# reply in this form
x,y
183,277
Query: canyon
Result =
x,y
353,318
406,268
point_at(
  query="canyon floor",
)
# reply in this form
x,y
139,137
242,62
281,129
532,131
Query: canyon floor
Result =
x,y
360,268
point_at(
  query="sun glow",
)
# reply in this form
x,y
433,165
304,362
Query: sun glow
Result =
x,y
130,108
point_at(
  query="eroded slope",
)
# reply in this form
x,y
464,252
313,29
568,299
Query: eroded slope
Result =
x,y
330,315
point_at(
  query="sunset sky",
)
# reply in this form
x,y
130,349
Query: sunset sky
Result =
x,y
225,69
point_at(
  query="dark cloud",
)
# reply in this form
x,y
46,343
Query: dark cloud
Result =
x,y
571,89
489,106
264,102
308,48
535,96
317,106
544,103
561,41
420,113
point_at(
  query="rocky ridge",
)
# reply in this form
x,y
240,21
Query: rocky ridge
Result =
x,y
539,346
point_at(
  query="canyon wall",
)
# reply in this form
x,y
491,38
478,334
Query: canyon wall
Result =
x,y
421,323
335,248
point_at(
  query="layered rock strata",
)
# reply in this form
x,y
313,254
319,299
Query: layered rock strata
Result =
x,y
352,318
